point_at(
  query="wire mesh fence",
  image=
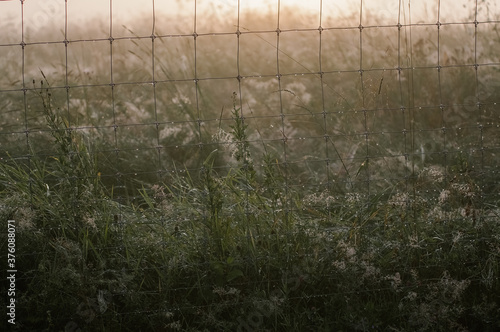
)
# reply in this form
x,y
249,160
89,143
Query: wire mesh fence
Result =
x,y
220,165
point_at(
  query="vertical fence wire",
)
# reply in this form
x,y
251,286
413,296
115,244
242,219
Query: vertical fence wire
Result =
x,y
326,137
25,102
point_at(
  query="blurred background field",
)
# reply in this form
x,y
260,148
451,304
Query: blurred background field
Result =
x,y
152,104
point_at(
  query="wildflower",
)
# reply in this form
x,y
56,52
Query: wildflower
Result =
x,y
453,288
339,265
456,237
223,292
436,214
399,200
322,199
413,241
222,137
370,270
443,196
175,325
353,198
395,281
410,297
350,252
465,190
25,217
89,221
168,314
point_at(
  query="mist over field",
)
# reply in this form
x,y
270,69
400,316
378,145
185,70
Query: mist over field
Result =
x,y
401,99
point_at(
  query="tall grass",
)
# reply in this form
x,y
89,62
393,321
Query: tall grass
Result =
x,y
244,250
341,202
148,130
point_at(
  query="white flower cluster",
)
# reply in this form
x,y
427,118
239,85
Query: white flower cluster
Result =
x,y
399,200
221,291
319,199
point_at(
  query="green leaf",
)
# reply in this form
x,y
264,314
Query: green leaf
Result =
x,y
233,274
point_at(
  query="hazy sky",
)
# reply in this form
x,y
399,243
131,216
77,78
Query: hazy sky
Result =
x,y
90,7
44,11
44,17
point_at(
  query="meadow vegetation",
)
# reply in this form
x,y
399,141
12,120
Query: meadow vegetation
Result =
x,y
180,197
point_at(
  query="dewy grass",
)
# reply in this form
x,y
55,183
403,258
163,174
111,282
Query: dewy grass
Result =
x,y
223,251
228,240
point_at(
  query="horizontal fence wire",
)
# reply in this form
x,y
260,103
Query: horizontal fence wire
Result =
x,y
203,166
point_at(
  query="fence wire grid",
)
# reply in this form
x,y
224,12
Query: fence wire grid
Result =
x,y
369,111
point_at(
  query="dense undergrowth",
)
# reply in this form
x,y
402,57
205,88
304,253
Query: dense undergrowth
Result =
x,y
244,251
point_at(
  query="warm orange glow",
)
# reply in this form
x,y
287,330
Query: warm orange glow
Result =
x,y
45,12
299,5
